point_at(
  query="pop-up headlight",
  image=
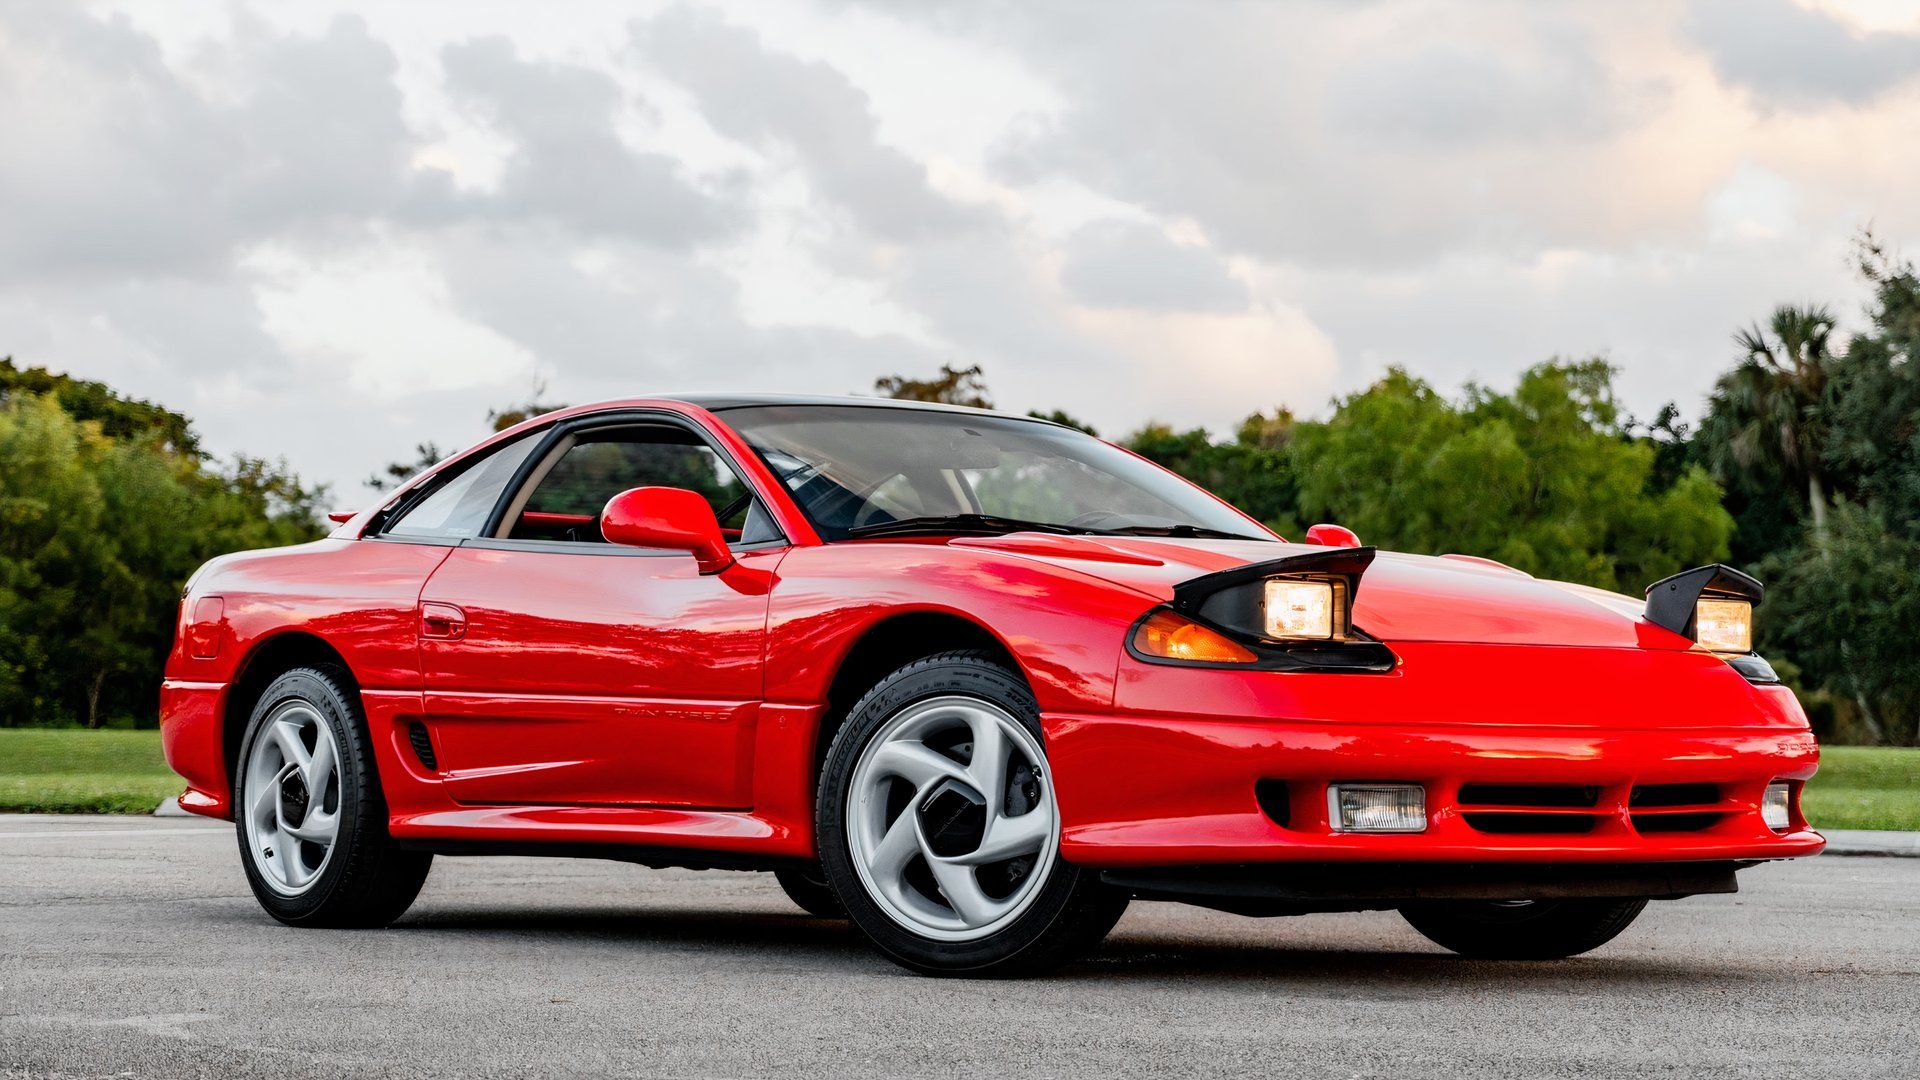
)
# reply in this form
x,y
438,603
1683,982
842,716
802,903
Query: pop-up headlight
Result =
x,y
1713,605
1299,610
1293,613
1723,626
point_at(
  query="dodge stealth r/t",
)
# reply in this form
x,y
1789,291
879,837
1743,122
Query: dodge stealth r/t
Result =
x,y
972,681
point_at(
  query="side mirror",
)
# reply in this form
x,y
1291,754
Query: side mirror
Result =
x,y
671,518
1332,536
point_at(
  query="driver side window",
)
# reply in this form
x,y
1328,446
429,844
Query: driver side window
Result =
x,y
566,493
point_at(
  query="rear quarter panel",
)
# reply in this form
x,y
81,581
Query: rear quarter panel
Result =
x,y
358,596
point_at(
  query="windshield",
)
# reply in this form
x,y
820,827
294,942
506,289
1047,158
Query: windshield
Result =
x,y
858,470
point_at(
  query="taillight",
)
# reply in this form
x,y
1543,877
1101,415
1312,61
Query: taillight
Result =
x,y
203,628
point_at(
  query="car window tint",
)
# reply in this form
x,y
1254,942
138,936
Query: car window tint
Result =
x,y
567,502
460,507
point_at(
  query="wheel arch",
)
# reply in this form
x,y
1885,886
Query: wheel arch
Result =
x,y
892,642
265,661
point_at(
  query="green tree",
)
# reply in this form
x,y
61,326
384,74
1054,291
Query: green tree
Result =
x,y
1547,479
1253,472
1844,611
99,534
1765,429
953,386
119,417
1841,602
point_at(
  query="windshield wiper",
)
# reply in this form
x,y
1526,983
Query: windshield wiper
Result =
x,y
960,525
1180,531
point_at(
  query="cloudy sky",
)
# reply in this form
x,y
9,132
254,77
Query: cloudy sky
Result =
x,y
329,231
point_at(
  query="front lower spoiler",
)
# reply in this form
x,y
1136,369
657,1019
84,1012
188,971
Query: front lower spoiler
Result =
x,y
1305,888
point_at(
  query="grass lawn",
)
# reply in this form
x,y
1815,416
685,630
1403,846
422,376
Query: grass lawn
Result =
x,y
122,772
67,771
1865,787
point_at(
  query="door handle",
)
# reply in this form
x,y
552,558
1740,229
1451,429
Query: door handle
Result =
x,y
442,622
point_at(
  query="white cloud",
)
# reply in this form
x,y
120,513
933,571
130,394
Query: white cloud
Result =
x,y
334,229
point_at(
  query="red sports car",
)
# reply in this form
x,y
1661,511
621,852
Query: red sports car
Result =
x,y
973,681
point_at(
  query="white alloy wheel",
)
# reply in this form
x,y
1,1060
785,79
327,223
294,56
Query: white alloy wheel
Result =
x,y
950,818
291,797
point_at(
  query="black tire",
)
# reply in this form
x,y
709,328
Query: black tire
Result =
x,y
1534,930
366,881
1069,915
809,889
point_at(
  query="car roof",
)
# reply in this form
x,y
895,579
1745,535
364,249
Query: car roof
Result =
x,y
720,401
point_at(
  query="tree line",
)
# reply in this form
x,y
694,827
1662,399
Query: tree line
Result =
x,y
1805,469
107,504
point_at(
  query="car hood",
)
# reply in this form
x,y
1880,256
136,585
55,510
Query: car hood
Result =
x,y
1400,598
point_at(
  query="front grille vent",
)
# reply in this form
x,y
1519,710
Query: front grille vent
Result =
x,y
1555,795
1557,809
1676,808
1571,809
422,745
1668,795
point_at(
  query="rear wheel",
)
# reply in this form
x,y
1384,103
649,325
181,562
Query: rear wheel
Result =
x,y
1522,929
810,890
939,832
308,811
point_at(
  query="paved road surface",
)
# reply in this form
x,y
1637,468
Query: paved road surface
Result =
x,y
131,946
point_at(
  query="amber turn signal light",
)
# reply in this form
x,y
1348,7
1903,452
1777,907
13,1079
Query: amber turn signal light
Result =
x,y
1176,637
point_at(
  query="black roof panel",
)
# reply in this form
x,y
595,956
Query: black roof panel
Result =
x,y
722,401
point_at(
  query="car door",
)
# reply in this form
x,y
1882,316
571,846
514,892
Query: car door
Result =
x,y
563,670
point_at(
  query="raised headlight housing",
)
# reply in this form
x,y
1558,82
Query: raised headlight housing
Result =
x,y
1713,605
1286,614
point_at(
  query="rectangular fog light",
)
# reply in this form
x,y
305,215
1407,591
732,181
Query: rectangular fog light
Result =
x,y
1377,808
1776,807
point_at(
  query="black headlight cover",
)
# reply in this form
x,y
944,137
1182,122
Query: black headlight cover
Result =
x,y
1671,604
1671,600
1232,603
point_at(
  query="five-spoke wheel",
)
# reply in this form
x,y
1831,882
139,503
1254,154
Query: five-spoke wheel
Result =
x,y
939,830
309,812
951,820
292,816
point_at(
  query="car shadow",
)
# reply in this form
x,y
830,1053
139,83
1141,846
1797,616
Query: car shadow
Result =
x,y
798,935
1138,957
1148,958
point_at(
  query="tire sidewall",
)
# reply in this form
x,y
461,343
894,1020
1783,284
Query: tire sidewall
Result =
x,y
328,700
937,677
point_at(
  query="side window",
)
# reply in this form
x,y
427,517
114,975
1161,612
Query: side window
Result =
x,y
594,466
460,507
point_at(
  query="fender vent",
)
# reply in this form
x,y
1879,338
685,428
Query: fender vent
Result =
x,y
422,745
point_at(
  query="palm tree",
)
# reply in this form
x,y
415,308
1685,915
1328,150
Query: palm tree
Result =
x,y
1774,398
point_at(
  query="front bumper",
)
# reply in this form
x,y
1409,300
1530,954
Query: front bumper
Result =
x,y
1158,793
1625,774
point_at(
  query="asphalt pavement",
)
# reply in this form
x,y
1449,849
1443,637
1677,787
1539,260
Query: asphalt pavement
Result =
x,y
131,946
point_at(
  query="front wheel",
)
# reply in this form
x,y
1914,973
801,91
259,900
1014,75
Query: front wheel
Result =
x,y
1522,929
309,813
939,832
